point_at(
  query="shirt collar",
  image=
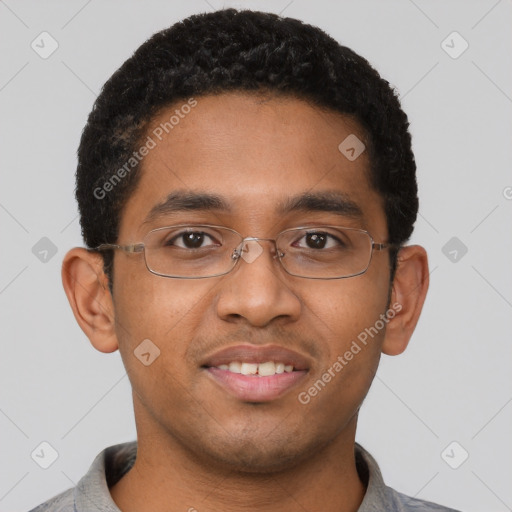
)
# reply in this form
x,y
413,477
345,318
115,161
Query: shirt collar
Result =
x,y
92,491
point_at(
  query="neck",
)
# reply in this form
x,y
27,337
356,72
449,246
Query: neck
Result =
x,y
166,473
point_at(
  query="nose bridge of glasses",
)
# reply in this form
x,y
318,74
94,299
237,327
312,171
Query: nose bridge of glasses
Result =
x,y
250,249
256,239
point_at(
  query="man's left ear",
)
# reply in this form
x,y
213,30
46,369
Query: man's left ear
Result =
x,y
408,293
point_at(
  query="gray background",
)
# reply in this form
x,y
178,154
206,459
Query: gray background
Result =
x,y
454,381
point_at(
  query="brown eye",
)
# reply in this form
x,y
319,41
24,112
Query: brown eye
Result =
x,y
316,240
190,240
319,240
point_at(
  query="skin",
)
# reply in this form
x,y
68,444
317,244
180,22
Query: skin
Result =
x,y
200,447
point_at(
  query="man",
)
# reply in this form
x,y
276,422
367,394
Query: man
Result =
x,y
246,186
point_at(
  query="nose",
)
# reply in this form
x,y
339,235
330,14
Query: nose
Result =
x,y
258,290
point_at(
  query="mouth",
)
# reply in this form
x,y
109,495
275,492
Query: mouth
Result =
x,y
256,374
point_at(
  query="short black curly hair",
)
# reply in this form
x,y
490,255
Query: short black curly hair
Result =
x,y
233,50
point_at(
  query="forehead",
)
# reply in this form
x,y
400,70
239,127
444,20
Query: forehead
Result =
x,y
257,153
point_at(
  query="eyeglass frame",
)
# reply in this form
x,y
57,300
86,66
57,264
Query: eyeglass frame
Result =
x,y
139,247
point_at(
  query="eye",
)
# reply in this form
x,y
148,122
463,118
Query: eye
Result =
x,y
190,240
320,240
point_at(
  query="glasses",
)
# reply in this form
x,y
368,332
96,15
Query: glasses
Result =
x,y
200,251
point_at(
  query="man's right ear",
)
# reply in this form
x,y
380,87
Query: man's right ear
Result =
x,y
86,286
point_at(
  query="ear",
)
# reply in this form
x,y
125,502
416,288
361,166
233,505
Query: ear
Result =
x,y
86,286
408,293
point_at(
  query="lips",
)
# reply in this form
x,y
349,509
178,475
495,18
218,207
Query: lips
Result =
x,y
257,355
254,373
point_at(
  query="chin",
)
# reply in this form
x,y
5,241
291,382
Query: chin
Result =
x,y
256,455
258,462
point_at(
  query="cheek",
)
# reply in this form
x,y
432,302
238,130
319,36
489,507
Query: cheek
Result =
x,y
161,310
345,308
348,316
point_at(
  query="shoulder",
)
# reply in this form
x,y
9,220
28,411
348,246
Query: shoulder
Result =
x,y
380,497
63,502
107,468
405,503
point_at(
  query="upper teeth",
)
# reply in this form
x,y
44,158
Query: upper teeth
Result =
x,y
262,369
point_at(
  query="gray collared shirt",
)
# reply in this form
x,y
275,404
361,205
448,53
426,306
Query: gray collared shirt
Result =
x,y
92,494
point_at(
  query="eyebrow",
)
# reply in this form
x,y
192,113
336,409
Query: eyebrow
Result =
x,y
185,201
182,201
329,202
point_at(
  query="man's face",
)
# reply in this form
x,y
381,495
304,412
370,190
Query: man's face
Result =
x,y
255,153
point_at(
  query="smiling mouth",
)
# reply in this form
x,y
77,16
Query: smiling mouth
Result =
x,y
255,373
255,387
266,369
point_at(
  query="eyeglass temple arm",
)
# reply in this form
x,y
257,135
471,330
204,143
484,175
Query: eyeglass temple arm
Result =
x,y
133,248
381,247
